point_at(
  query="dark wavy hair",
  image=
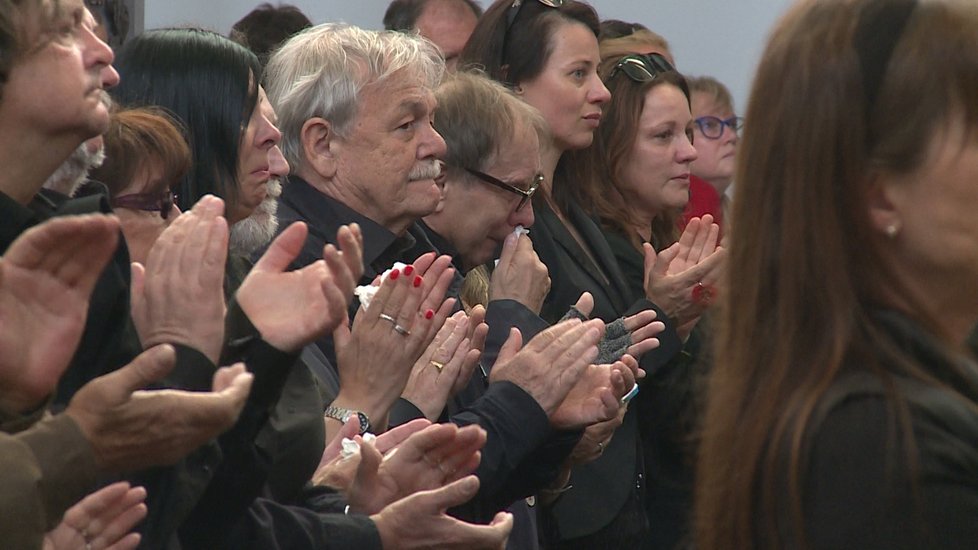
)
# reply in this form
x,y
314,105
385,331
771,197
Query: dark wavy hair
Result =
x,y
209,84
520,52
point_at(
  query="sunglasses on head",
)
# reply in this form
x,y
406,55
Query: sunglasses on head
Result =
x,y
149,202
642,67
514,11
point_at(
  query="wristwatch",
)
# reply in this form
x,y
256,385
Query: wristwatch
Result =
x,y
337,413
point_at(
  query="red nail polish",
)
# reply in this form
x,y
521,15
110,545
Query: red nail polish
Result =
x,y
408,270
395,274
417,281
429,314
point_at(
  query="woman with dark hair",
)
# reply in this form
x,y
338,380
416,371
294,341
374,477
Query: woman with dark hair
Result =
x,y
547,51
635,179
209,84
845,411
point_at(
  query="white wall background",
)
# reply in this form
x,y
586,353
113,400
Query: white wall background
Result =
x,y
721,38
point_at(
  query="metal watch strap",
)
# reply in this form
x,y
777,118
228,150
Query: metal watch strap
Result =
x,y
342,415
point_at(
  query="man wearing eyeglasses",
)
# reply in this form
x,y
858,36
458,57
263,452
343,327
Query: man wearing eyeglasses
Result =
x,y
373,157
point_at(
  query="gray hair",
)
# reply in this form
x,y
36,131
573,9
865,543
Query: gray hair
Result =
x,y
321,71
476,115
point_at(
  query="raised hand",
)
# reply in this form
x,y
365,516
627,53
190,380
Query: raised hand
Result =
x,y
294,308
375,356
103,519
682,278
179,297
46,281
520,275
132,429
552,363
419,521
447,363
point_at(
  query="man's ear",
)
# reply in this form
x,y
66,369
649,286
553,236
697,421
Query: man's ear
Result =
x,y
883,212
318,146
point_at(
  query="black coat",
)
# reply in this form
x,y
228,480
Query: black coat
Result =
x,y
606,493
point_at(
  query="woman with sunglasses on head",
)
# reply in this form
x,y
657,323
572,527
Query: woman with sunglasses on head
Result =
x,y
547,52
635,179
845,411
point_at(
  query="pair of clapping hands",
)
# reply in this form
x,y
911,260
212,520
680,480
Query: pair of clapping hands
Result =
x,y
178,295
683,279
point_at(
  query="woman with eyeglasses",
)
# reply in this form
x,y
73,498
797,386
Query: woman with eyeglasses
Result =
x,y
547,52
844,413
145,156
717,131
211,85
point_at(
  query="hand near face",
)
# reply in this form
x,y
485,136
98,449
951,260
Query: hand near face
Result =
x,y
520,275
419,521
294,308
551,364
447,364
46,281
672,276
179,297
132,429
103,519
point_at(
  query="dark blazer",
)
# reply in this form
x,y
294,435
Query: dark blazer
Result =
x,y
668,408
601,489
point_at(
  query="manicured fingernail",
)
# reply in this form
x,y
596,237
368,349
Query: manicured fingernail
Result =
x,y
409,270
395,274
417,280
429,314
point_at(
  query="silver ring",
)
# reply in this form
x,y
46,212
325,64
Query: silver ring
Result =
x,y
600,447
401,330
387,317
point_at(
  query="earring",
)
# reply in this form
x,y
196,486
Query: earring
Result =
x,y
518,90
892,230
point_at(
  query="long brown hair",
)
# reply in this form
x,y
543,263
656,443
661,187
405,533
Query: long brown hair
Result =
x,y
594,173
809,269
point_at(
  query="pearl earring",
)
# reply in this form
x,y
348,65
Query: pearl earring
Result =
x,y
892,230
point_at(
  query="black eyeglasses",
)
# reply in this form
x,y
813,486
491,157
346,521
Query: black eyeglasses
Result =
x,y
642,67
525,194
712,127
149,202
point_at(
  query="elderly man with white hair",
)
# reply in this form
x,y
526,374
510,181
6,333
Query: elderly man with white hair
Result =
x,y
356,110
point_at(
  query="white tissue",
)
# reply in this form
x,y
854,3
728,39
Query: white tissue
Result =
x,y
365,293
350,448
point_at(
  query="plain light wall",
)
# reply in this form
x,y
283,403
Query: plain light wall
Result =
x,y
720,38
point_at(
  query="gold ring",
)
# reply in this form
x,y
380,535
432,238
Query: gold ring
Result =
x,y
437,365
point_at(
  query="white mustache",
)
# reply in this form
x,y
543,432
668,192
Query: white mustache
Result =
x,y
425,170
